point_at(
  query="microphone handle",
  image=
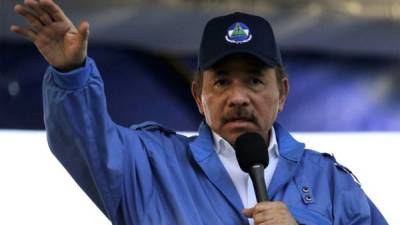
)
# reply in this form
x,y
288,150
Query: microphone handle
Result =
x,y
257,176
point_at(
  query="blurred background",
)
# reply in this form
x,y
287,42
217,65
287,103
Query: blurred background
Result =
x,y
342,57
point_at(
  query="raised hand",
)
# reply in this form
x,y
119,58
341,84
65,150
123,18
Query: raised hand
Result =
x,y
62,44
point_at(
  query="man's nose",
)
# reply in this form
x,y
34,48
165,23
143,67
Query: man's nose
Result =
x,y
238,95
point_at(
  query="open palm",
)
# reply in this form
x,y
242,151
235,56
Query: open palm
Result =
x,y
58,40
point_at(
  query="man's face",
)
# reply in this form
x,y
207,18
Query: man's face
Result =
x,y
238,95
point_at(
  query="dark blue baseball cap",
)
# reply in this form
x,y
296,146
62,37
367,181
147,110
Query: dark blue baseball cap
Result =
x,y
238,33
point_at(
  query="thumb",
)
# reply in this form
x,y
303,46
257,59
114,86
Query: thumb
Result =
x,y
84,29
248,212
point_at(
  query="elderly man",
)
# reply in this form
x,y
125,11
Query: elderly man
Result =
x,y
148,174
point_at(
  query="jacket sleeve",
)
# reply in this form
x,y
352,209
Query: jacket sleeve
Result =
x,y
376,216
351,205
81,134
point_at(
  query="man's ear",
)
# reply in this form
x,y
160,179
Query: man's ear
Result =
x,y
283,93
196,93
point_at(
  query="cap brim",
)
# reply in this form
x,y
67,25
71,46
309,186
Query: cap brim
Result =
x,y
217,58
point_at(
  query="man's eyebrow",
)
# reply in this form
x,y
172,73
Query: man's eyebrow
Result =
x,y
221,74
218,74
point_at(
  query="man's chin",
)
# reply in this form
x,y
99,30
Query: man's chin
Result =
x,y
240,126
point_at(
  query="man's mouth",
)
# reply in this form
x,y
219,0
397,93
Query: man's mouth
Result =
x,y
241,120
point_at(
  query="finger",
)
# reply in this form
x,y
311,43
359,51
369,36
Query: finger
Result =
x,y
266,206
26,33
248,212
41,14
29,16
263,218
53,10
84,29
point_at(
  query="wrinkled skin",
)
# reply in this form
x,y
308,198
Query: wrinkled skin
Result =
x,y
238,95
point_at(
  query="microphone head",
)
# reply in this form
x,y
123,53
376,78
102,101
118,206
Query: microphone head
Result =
x,y
251,149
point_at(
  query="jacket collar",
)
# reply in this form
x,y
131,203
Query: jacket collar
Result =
x,y
208,160
290,154
289,148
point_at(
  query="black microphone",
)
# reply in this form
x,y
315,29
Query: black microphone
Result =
x,y
252,155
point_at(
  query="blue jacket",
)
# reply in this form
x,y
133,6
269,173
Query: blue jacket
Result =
x,y
147,174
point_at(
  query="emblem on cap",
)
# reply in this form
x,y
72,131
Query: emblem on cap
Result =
x,y
238,33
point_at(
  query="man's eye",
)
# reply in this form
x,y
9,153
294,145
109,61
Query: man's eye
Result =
x,y
221,82
256,81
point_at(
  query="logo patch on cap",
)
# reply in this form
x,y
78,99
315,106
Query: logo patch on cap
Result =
x,y
238,33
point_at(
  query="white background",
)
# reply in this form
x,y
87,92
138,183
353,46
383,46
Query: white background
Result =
x,y
35,188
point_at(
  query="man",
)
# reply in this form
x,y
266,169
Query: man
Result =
x,y
150,175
